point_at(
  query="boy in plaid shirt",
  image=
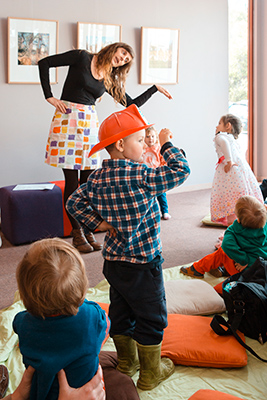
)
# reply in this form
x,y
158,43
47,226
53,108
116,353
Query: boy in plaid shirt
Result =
x,y
121,198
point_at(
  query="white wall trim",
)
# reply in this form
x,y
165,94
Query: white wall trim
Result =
x,y
191,188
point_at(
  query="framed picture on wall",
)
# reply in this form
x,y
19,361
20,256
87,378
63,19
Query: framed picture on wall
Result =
x,y
30,40
159,55
93,37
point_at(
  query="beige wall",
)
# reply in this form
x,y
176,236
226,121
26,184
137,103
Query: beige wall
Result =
x,y
199,99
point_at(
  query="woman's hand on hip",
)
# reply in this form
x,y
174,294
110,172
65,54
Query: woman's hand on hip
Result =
x,y
164,91
58,104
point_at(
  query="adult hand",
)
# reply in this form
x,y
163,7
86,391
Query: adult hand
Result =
x,y
164,136
92,390
58,104
23,390
104,226
164,91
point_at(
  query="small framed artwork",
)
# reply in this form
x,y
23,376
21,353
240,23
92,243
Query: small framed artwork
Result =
x,y
159,55
30,40
93,37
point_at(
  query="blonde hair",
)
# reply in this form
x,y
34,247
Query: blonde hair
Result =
x,y
114,78
152,128
51,278
250,212
235,122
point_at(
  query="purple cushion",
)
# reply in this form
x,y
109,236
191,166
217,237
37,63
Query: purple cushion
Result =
x,y
30,215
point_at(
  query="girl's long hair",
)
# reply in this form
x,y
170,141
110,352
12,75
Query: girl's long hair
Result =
x,y
114,78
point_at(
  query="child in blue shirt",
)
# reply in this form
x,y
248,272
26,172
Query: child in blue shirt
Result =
x,y
122,196
60,329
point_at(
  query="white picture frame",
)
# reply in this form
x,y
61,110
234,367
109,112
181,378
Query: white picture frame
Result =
x,y
93,37
159,55
30,40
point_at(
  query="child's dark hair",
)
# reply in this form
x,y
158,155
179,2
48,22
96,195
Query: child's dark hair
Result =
x,y
235,122
250,212
51,278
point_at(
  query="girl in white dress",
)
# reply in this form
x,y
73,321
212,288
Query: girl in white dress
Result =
x,y
233,176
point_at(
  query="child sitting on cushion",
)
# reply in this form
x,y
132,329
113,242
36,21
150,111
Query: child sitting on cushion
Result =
x,y
59,329
244,241
123,193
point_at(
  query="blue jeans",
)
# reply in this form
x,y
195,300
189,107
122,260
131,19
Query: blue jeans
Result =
x,y
162,199
138,303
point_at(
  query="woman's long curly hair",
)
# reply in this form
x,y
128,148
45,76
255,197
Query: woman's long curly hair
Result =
x,y
114,78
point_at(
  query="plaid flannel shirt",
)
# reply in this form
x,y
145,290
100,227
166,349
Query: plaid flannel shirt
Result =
x,y
123,193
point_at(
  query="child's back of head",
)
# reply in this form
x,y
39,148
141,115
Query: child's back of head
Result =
x,y
236,124
250,212
51,278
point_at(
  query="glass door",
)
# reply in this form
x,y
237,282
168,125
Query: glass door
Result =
x,y
238,67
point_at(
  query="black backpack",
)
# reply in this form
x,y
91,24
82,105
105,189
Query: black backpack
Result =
x,y
245,297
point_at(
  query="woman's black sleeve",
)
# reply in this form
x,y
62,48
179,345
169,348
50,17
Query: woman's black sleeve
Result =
x,y
57,60
142,98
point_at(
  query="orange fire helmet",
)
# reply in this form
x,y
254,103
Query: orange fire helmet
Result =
x,y
119,125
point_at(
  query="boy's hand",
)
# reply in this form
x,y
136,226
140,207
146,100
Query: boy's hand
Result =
x,y
164,136
240,267
104,226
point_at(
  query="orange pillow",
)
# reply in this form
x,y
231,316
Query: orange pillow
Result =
x,y
189,340
105,307
207,394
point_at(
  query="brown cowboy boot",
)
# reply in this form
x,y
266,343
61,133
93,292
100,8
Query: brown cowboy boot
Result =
x,y
91,239
79,241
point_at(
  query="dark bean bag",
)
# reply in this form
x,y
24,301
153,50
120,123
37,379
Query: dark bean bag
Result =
x,y
118,386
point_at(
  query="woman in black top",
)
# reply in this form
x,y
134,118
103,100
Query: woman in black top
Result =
x,y
74,128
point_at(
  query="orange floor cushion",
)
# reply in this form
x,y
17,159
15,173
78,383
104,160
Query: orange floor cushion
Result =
x,y
105,307
66,222
189,340
207,394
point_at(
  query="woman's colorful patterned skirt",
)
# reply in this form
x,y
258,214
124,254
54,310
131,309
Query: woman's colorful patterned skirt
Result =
x,y
71,137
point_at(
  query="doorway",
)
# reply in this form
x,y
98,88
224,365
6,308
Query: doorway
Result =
x,y
238,40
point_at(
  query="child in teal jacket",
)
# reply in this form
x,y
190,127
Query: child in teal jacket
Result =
x,y
244,241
